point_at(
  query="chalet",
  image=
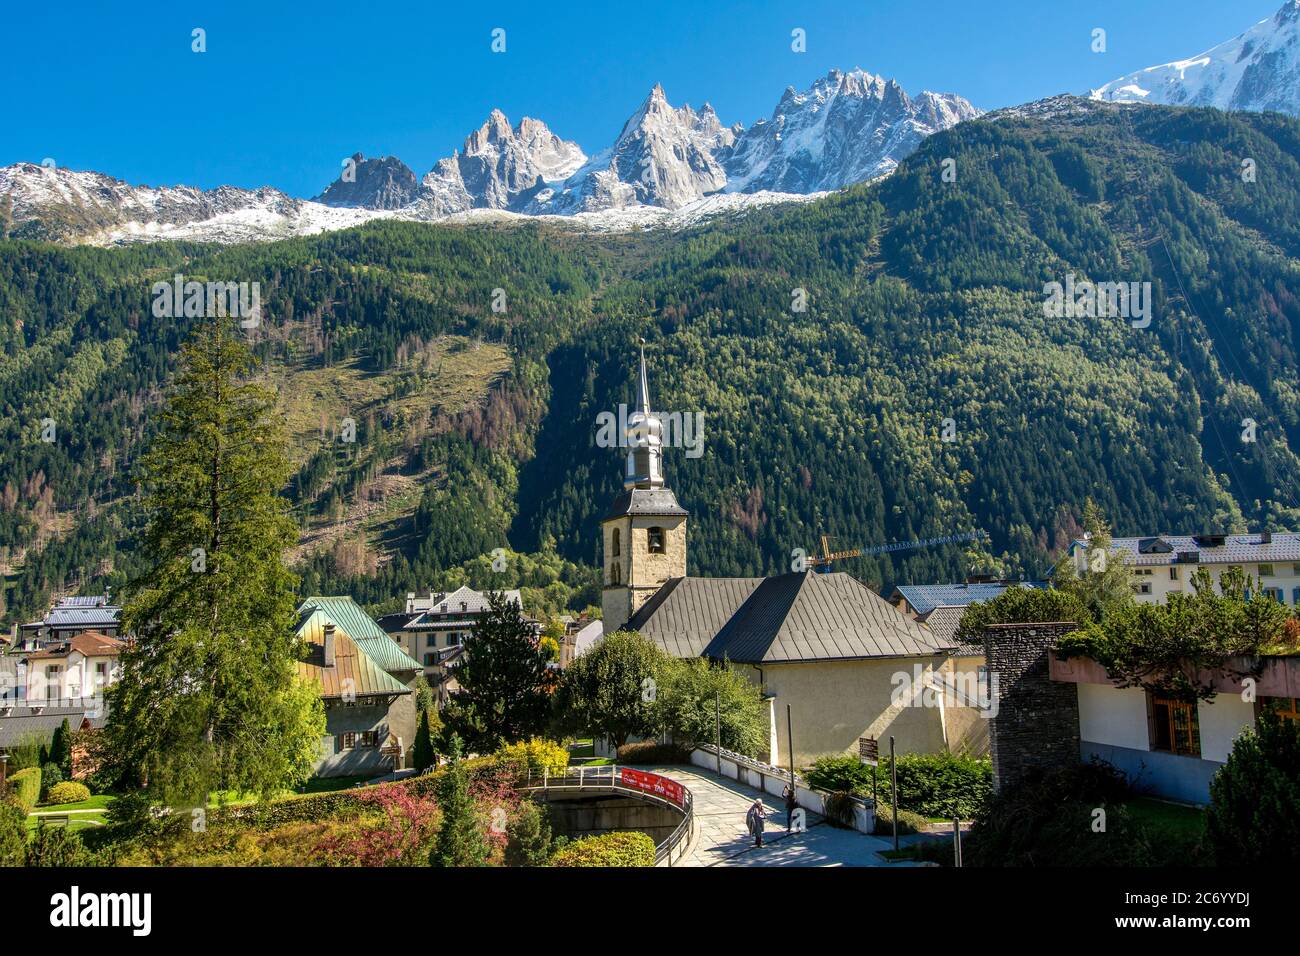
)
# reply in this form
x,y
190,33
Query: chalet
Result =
x,y
367,727
1163,564
72,669
71,616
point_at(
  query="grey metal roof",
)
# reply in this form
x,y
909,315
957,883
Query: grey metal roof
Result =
x,y
943,621
924,598
82,616
1236,548
24,721
685,614
790,617
645,501
817,617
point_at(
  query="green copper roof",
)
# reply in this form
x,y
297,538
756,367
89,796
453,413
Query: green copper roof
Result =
x,y
368,636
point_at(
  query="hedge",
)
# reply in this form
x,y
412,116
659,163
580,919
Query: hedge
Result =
x,y
69,791
653,752
26,787
609,849
935,785
267,815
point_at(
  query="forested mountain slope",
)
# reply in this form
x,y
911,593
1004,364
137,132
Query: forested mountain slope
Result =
x,y
925,301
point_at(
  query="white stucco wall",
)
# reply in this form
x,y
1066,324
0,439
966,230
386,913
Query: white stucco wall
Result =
x,y
1114,716
1221,722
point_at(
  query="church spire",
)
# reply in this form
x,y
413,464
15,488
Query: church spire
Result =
x,y
643,387
645,431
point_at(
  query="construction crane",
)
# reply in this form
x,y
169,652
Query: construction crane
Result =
x,y
821,563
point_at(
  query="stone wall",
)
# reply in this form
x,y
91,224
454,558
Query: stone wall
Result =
x,y
1036,721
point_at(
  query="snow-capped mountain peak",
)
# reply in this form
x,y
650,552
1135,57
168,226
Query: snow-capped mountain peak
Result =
x,y
845,128
1257,70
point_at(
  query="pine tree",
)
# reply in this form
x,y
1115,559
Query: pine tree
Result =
x,y
460,840
502,677
528,837
422,752
61,749
209,697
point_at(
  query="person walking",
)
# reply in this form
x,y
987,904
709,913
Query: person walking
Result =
x,y
791,803
755,819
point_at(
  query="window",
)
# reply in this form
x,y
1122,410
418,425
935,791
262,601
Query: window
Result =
x,y
453,639
1288,708
655,540
1274,593
430,660
1295,570
614,545
1173,574
347,741
1266,570
53,677
1295,596
615,574
101,668
362,738
1143,588
1174,727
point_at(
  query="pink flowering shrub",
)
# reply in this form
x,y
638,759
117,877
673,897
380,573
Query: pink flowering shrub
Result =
x,y
399,832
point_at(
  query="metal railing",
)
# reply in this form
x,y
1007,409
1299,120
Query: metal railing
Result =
x,y
610,777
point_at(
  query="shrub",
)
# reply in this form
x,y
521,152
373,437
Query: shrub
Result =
x,y
609,849
26,787
69,791
13,834
26,752
934,785
57,846
51,776
1050,819
1254,815
536,755
1021,605
528,837
653,752
908,822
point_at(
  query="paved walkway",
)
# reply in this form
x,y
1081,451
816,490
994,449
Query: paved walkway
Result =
x,y
722,840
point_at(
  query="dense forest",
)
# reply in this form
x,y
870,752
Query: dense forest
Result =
x,y
443,382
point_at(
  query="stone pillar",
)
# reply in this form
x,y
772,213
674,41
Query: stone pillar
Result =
x,y
1036,719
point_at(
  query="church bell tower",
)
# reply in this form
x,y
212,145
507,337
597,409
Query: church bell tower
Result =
x,y
644,533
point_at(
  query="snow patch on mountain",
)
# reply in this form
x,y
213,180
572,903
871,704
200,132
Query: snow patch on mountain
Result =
x,y
1258,70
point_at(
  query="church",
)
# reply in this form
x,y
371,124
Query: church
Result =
x,y
840,659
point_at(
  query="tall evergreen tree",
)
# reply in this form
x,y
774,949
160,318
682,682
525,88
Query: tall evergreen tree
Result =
x,y
502,697
61,749
209,697
460,840
422,752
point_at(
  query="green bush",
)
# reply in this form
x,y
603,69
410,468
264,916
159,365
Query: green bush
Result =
x,y
1254,813
26,787
13,834
647,752
908,822
934,785
609,849
69,791
57,846
536,755
51,776
1050,818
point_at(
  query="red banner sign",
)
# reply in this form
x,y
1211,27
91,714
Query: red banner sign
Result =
x,y
653,783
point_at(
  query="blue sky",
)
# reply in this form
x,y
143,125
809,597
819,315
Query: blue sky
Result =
x,y
282,95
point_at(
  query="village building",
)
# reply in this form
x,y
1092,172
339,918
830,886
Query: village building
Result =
x,y
434,629
366,682
835,660
1163,564
71,616
71,670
